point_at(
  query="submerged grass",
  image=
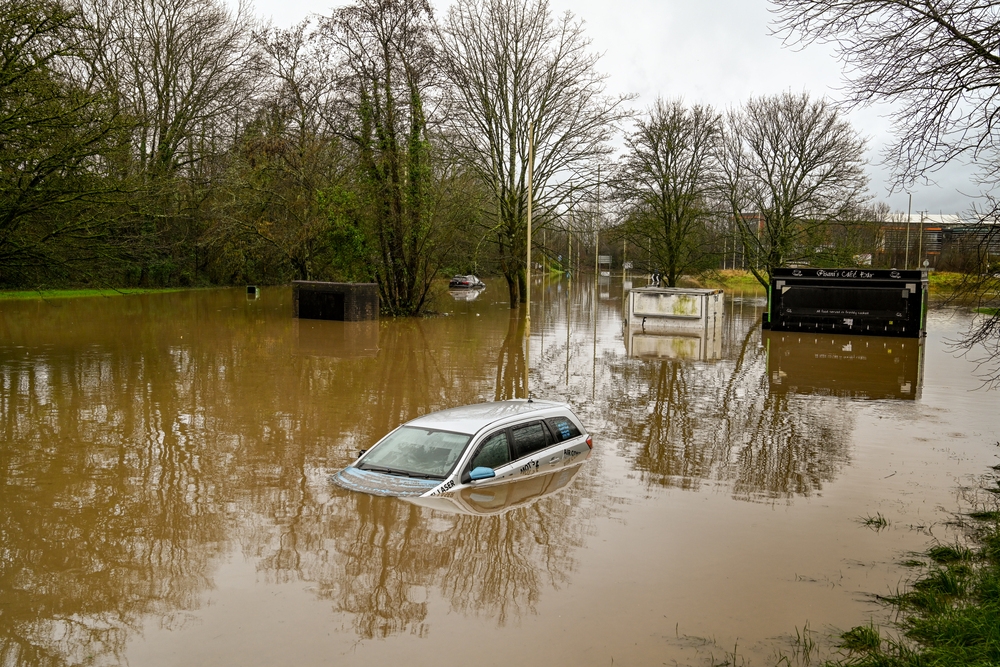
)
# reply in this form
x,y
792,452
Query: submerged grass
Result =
x,y
876,523
950,616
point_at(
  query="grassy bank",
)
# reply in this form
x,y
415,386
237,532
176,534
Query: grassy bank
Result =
x,y
730,280
939,284
949,615
79,293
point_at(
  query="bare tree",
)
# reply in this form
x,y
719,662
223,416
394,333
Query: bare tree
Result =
x,y
937,58
513,67
938,61
184,68
790,166
665,182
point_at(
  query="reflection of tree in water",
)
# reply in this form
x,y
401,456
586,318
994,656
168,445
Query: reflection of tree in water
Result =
x,y
502,563
510,361
378,559
721,422
130,458
107,503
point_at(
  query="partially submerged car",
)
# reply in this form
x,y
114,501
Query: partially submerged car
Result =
x,y
466,282
470,446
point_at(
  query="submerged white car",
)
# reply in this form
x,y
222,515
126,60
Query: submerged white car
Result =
x,y
470,446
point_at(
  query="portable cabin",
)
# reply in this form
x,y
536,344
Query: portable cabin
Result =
x,y
872,302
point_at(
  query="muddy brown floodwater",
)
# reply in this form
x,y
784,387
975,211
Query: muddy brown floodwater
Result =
x,y
164,493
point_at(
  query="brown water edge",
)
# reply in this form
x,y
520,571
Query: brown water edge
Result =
x,y
164,496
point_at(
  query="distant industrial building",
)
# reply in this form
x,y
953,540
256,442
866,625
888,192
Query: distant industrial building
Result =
x,y
945,242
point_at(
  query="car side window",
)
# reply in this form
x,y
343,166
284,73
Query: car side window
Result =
x,y
563,428
494,452
530,438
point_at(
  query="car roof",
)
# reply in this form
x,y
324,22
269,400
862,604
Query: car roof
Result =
x,y
471,419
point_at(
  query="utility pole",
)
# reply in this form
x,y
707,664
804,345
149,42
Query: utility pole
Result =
x,y
909,206
527,268
920,241
597,227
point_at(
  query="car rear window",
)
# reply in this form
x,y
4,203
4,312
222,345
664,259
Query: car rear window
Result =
x,y
563,428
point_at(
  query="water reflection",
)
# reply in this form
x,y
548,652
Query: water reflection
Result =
x,y
342,340
145,440
109,491
841,365
649,344
500,498
690,423
510,360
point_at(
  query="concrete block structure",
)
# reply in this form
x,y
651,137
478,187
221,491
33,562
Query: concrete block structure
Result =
x,y
346,302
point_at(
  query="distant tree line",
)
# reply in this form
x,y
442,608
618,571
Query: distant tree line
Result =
x,y
181,142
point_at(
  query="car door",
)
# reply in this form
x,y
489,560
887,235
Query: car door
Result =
x,y
493,452
534,448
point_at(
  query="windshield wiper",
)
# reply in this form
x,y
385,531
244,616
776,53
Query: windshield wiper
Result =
x,y
399,473
366,466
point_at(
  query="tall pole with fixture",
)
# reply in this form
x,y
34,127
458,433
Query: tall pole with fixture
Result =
x,y
527,267
597,228
920,241
909,206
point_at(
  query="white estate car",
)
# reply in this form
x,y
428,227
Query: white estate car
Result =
x,y
470,446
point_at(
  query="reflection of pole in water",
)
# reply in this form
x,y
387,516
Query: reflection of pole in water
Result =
x,y
593,370
569,314
544,288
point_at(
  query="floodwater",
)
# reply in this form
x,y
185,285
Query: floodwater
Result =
x,y
164,493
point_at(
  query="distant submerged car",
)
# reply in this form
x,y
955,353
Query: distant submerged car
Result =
x,y
466,282
468,447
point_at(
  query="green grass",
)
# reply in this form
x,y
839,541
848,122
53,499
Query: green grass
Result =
x,y
730,279
988,311
81,293
939,283
948,617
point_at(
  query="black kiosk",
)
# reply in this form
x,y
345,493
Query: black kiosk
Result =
x,y
872,302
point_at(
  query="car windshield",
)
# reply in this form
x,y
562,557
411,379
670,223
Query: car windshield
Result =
x,y
418,452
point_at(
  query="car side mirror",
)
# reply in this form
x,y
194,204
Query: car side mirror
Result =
x,y
482,472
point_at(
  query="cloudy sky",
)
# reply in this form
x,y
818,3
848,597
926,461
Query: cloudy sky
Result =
x,y
718,52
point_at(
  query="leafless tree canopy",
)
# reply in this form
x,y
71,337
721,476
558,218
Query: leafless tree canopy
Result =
x,y
513,66
937,58
183,68
666,182
939,61
790,165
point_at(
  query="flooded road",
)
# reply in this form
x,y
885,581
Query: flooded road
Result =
x,y
164,493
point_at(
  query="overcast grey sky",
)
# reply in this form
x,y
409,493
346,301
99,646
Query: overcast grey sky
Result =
x,y
718,52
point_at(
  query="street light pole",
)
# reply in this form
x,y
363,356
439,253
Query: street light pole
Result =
x,y
920,242
909,206
527,267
